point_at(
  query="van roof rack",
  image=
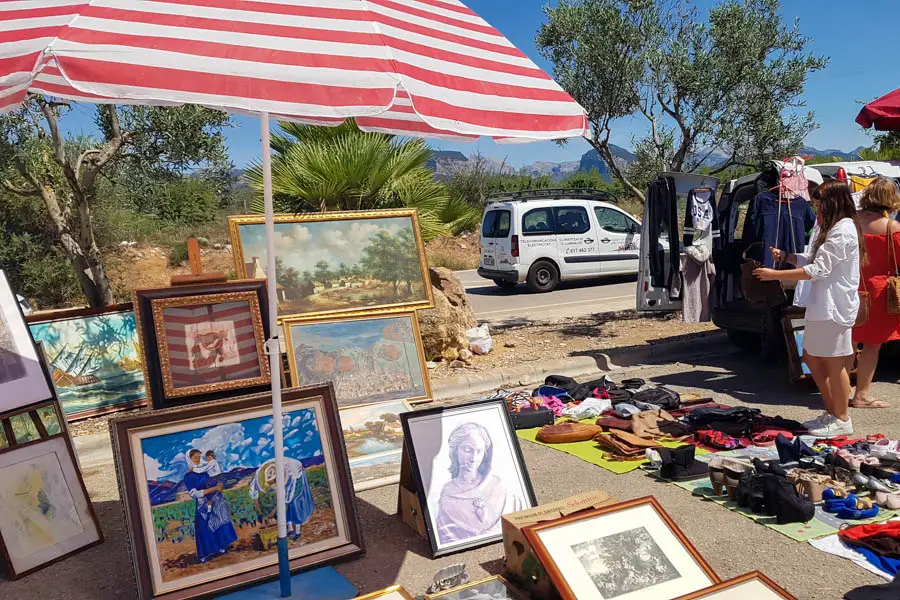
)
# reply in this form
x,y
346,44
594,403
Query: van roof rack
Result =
x,y
555,194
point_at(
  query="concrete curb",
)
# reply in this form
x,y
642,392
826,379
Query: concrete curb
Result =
x,y
581,366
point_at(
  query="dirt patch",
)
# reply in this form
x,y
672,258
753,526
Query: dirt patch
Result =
x,y
458,253
145,267
521,343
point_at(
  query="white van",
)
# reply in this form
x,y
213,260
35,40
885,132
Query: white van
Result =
x,y
542,237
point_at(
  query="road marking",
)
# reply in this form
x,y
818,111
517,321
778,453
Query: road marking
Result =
x,y
530,308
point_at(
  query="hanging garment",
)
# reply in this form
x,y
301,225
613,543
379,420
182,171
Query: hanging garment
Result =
x,y
701,220
697,293
778,224
663,213
794,183
860,182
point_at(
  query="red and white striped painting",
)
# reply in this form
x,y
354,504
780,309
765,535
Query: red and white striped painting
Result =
x,y
212,343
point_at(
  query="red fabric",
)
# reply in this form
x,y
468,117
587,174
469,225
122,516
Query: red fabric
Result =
x,y
861,532
883,113
838,442
881,327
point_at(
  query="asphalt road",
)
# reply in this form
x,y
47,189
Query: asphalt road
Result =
x,y
571,299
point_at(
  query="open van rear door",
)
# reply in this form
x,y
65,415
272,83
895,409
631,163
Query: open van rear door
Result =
x,y
659,274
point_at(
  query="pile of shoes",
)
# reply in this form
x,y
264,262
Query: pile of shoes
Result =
x,y
761,486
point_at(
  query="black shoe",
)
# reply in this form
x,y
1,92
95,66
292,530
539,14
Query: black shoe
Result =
x,y
787,450
789,506
769,467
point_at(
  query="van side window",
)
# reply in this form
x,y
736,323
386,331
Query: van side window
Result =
x,y
496,224
571,219
537,222
613,221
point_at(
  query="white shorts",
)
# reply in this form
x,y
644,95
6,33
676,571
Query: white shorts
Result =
x,y
827,339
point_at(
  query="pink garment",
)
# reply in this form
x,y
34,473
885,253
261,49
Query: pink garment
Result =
x,y
794,184
553,404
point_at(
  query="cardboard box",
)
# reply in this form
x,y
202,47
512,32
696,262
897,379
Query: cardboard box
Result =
x,y
521,563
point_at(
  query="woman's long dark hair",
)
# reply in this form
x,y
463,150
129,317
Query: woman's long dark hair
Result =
x,y
836,203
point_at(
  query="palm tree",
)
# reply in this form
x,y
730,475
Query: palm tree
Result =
x,y
342,168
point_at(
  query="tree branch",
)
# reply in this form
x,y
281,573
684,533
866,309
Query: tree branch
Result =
x,y
112,147
19,191
703,160
59,144
602,147
80,162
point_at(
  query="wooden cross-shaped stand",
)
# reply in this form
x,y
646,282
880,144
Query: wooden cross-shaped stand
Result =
x,y
197,275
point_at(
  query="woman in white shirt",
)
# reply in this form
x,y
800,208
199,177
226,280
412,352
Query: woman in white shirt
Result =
x,y
833,264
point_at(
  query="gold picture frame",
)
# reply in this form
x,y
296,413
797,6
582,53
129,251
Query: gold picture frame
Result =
x,y
454,593
418,299
367,328
160,305
395,592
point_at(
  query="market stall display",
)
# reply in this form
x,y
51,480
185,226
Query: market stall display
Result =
x,y
198,491
94,358
45,512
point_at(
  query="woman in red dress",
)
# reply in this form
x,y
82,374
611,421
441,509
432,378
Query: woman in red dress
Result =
x,y
879,200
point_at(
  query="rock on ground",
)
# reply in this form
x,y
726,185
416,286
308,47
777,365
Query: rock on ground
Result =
x,y
444,326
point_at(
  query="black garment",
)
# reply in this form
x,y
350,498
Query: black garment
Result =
x,y
662,210
885,591
661,396
777,225
736,422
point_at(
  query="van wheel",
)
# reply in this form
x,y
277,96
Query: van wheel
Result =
x,y
543,276
746,341
506,285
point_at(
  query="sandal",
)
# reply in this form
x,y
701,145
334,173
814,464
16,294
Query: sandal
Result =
x,y
869,404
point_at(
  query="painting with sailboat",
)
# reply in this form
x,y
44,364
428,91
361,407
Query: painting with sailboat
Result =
x,y
93,357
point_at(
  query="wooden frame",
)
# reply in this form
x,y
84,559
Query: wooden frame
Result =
x,y
55,316
236,222
556,576
731,583
148,307
126,432
289,323
796,363
33,384
61,436
513,592
415,477
394,589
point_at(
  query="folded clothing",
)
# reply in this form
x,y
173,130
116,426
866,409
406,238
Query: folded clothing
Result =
x,y
658,423
626,411
764,422
661,396
881,538
590,408
610,421
717,439
736,422
564,433
624,444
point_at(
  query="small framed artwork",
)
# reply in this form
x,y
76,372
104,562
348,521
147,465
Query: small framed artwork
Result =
x,y
45,512
203,342
468,472
339,262
395,592
198,486
753,585
23,377
492,588
373,436
794,326
94,358
368,359
631,550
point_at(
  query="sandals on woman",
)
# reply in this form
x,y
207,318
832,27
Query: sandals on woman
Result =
x,y
855,403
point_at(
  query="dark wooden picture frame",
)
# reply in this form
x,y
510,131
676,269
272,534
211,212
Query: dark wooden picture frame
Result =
x,y
152,348
795,353
556,576
80,313
414,478
44,436
121,428
730,583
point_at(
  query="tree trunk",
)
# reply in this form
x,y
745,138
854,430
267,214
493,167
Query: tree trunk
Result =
x,y
409,287
606,154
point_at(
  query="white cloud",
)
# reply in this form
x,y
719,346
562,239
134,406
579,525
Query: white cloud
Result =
x,y
317,453
153,469
296,422
291,433
266,428
309,436
222,440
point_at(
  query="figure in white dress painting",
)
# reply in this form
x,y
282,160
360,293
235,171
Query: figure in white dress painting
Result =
x,y
474,499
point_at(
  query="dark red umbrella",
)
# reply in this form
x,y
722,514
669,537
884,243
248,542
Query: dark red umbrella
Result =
x,y
883,113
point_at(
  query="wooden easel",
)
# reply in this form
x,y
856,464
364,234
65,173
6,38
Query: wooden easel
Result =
x,y
408,506
197,275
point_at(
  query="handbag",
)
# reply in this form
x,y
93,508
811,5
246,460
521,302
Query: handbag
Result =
x,y
759,294
893,281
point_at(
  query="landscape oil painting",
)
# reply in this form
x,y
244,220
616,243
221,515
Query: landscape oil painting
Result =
x,y
367,359
207,493
373,437
338,262
94,361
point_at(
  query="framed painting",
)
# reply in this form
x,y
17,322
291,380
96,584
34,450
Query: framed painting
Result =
x,y
23,376
628,551
793,324
367,359
198,487
373,437
94,358
203,342
468,472
45,512
492,588
340,262
395,592
753,585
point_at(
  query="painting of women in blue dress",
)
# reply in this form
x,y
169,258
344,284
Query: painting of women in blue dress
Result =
x,y
213,529
298,496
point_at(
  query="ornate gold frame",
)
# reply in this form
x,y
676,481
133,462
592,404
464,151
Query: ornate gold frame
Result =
x,y
288,322
235,222
394,589
159,326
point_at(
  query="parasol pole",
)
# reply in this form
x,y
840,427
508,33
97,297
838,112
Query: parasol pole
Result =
x,y
273,347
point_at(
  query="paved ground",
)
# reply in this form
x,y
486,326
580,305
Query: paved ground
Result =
x,y
571,299
732,544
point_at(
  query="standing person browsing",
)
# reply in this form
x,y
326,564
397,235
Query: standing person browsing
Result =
x,y
882,237
833,264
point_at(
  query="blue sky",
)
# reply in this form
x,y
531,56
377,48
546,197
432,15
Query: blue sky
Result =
x,y
242,444
861,44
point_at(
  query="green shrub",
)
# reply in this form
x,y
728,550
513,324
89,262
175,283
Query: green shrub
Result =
x,y
178,254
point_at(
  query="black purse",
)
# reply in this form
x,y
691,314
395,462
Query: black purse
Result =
x,y
759,294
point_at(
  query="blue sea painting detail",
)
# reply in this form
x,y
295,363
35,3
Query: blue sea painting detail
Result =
x,y
95,362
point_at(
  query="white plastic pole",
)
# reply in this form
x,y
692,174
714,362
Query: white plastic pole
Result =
x,y
273,347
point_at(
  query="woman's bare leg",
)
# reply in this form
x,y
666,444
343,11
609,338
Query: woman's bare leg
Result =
x,y
839,386
820,376
868,362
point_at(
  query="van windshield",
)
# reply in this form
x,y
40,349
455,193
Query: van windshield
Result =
x,y
495,224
